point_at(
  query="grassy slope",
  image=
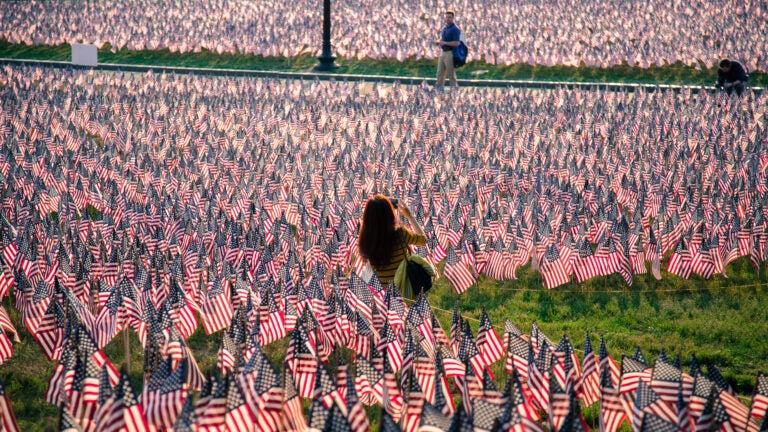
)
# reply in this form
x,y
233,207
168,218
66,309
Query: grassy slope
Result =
x,y
669,74
719,319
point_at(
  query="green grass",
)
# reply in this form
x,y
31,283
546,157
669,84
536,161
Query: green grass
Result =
x,y
719,319
668,74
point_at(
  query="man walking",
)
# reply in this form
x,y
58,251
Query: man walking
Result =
x,y
448,42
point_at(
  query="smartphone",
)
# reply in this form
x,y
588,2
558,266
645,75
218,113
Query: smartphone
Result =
x,y
394,202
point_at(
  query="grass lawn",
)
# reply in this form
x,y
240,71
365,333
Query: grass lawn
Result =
x,y
668,74
721,319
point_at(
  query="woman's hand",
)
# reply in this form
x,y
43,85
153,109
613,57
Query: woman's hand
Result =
x,y
405,211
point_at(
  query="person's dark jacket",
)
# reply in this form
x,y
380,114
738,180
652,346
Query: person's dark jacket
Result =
x,y
736,73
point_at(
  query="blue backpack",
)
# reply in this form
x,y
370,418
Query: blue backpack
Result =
x,y
460,55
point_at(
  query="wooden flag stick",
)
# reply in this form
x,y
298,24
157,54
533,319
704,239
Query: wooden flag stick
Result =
x,y
126,350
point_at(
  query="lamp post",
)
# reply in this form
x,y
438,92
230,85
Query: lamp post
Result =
x,y
326,59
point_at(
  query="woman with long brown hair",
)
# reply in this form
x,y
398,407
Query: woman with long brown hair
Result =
x,y
383,242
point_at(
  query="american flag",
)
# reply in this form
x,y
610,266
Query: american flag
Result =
x,y
426,374
420,316
292,416
559,404
368,381
392,399
655,423
759,405
265,395
325,389
517,354
443,396
666,381
85,391
238,415
587,264
125,411
211,406
111,318
517,394
470,387
216,309
388,423
588,387
648,402
432,420
554,269
574,421
164,395
469,354
7,419
228,357
684,420
318,415
458,273
390,344
714,374
272,319
538,377
680,261
632,373
706,419
337,419
538,338
612,413
6,349
607,363
566,354
485,414
358,420
457,327
488,341
414,404
701,395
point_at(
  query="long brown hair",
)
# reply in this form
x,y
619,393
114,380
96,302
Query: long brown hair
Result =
x,y
377,231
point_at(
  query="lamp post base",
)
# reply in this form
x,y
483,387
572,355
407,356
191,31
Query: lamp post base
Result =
x,y
326,63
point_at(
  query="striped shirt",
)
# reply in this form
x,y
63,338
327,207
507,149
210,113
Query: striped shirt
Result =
x,y
386,273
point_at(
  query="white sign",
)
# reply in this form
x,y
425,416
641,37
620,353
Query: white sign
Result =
x,y
84,55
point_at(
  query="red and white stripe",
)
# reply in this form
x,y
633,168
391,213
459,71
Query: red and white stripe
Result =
x,y
588,388
217,313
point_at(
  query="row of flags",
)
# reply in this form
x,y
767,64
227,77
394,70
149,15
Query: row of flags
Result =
x,y
569,193
573,34
409,367
153,203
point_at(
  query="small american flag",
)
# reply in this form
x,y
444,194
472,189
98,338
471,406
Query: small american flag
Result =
x,y
458,273
7,419
125,412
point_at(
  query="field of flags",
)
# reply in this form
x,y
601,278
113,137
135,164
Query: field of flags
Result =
x,y
159,204
602,33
